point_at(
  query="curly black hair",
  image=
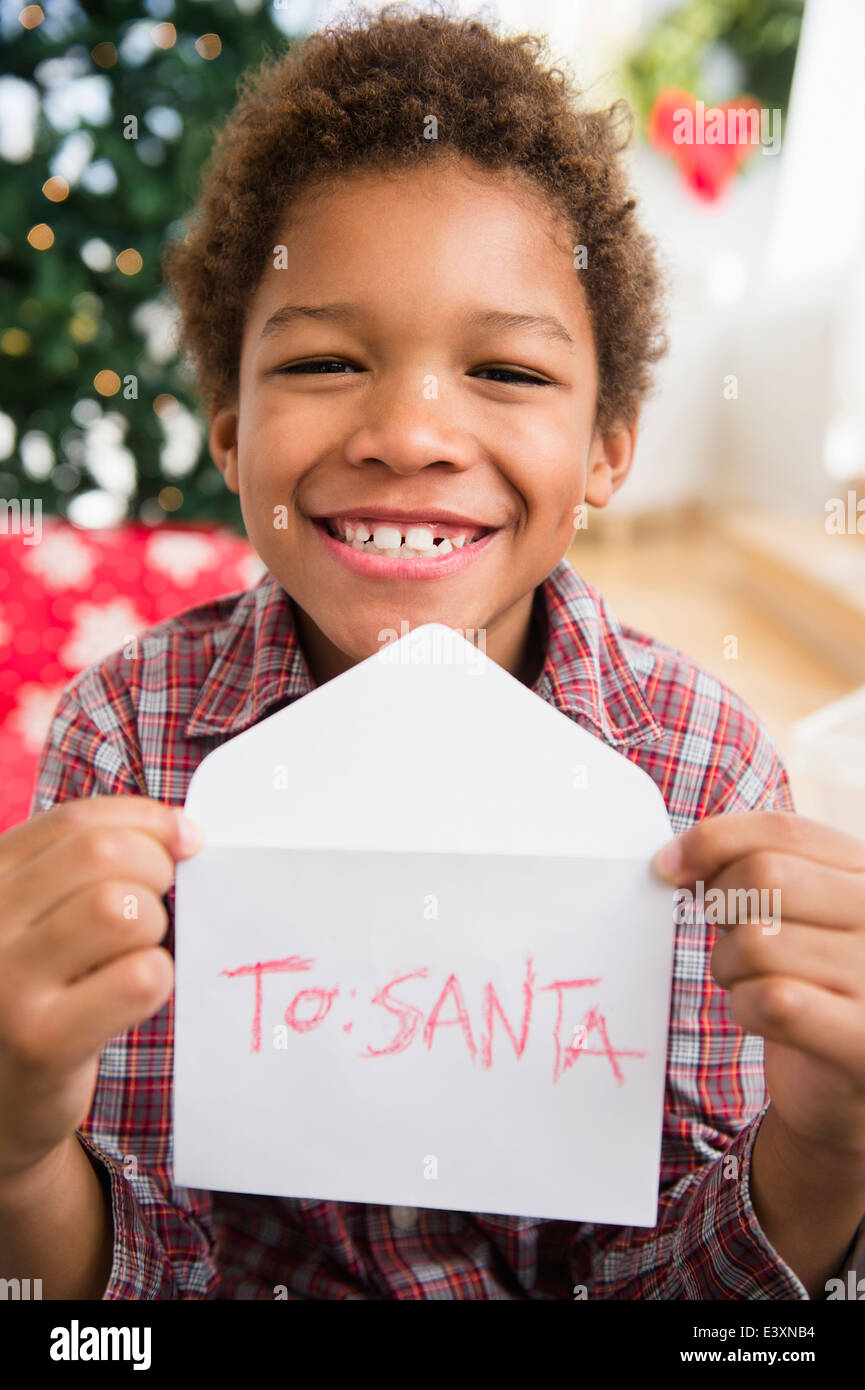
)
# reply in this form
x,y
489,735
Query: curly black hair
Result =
x,y
358,94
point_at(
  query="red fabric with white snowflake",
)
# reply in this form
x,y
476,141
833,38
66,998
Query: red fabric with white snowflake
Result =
x,y
74,596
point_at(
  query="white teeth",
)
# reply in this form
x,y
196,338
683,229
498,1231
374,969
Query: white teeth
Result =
x,y
387,537
400,552
419,537
388,540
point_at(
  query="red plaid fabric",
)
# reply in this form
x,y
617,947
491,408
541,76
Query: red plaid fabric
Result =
x,y
141,725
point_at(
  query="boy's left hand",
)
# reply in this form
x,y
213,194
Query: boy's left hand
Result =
x,y
799,983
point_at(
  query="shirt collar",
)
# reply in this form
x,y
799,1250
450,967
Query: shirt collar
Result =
x,y
260,663
591,672
588,673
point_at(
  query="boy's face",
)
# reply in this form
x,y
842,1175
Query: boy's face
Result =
x,y
419,425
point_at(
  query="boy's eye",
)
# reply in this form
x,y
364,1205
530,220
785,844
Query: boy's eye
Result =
x,y
522,377
315,365
318,366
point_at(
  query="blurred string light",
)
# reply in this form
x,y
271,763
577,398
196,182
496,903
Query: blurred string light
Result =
x,y
208,46
164,35
130,261
164,122
166,405
298,16
70,100
84,324
109,463
31,16
97,255
150,512
182,435
157,320
100,177
19,108
98,445
59,71
58,17
37,454
72,156
95,509
7,435
85,410
136,46
65,477
150,150
82,328
41,236
55,189
107,383
15,342
104,55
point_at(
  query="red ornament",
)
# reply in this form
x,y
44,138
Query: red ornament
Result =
x,y
708,143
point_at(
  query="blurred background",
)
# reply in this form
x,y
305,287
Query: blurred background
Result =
x,y
740,536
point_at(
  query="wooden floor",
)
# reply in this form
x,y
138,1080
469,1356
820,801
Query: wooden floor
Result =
x,y
690,591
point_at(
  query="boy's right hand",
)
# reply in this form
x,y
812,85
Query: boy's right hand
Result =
x,y
81,916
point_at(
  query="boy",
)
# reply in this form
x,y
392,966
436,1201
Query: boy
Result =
x,y
423,315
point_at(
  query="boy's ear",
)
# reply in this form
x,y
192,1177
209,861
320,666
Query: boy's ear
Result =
x,y
223,444
610,459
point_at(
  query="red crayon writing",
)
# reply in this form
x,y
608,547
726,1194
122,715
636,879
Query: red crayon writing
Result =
x,y
258,969
310,1007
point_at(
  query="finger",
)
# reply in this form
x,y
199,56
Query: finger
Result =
x,y
798,951
33,837
85,860
89,929
802,1015
108,1001
768,884
705,848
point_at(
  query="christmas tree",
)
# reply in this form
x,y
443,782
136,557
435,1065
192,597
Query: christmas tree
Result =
x,y
110,111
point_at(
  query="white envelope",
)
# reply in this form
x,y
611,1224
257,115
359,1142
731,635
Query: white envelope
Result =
x,y
422,959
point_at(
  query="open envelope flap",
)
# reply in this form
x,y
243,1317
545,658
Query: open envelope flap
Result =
x,y
362,899
426,745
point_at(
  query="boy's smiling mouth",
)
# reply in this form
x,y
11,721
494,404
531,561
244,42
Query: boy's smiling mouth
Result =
x,y
393,545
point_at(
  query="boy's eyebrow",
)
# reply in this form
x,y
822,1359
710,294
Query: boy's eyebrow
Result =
x,y
545,324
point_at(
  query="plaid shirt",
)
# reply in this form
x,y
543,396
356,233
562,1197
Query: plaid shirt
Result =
x,y
141,726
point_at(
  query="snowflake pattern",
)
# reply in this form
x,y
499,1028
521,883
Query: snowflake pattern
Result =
x,y
180,557
60,560
30,718
251,570
100,629
82,595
